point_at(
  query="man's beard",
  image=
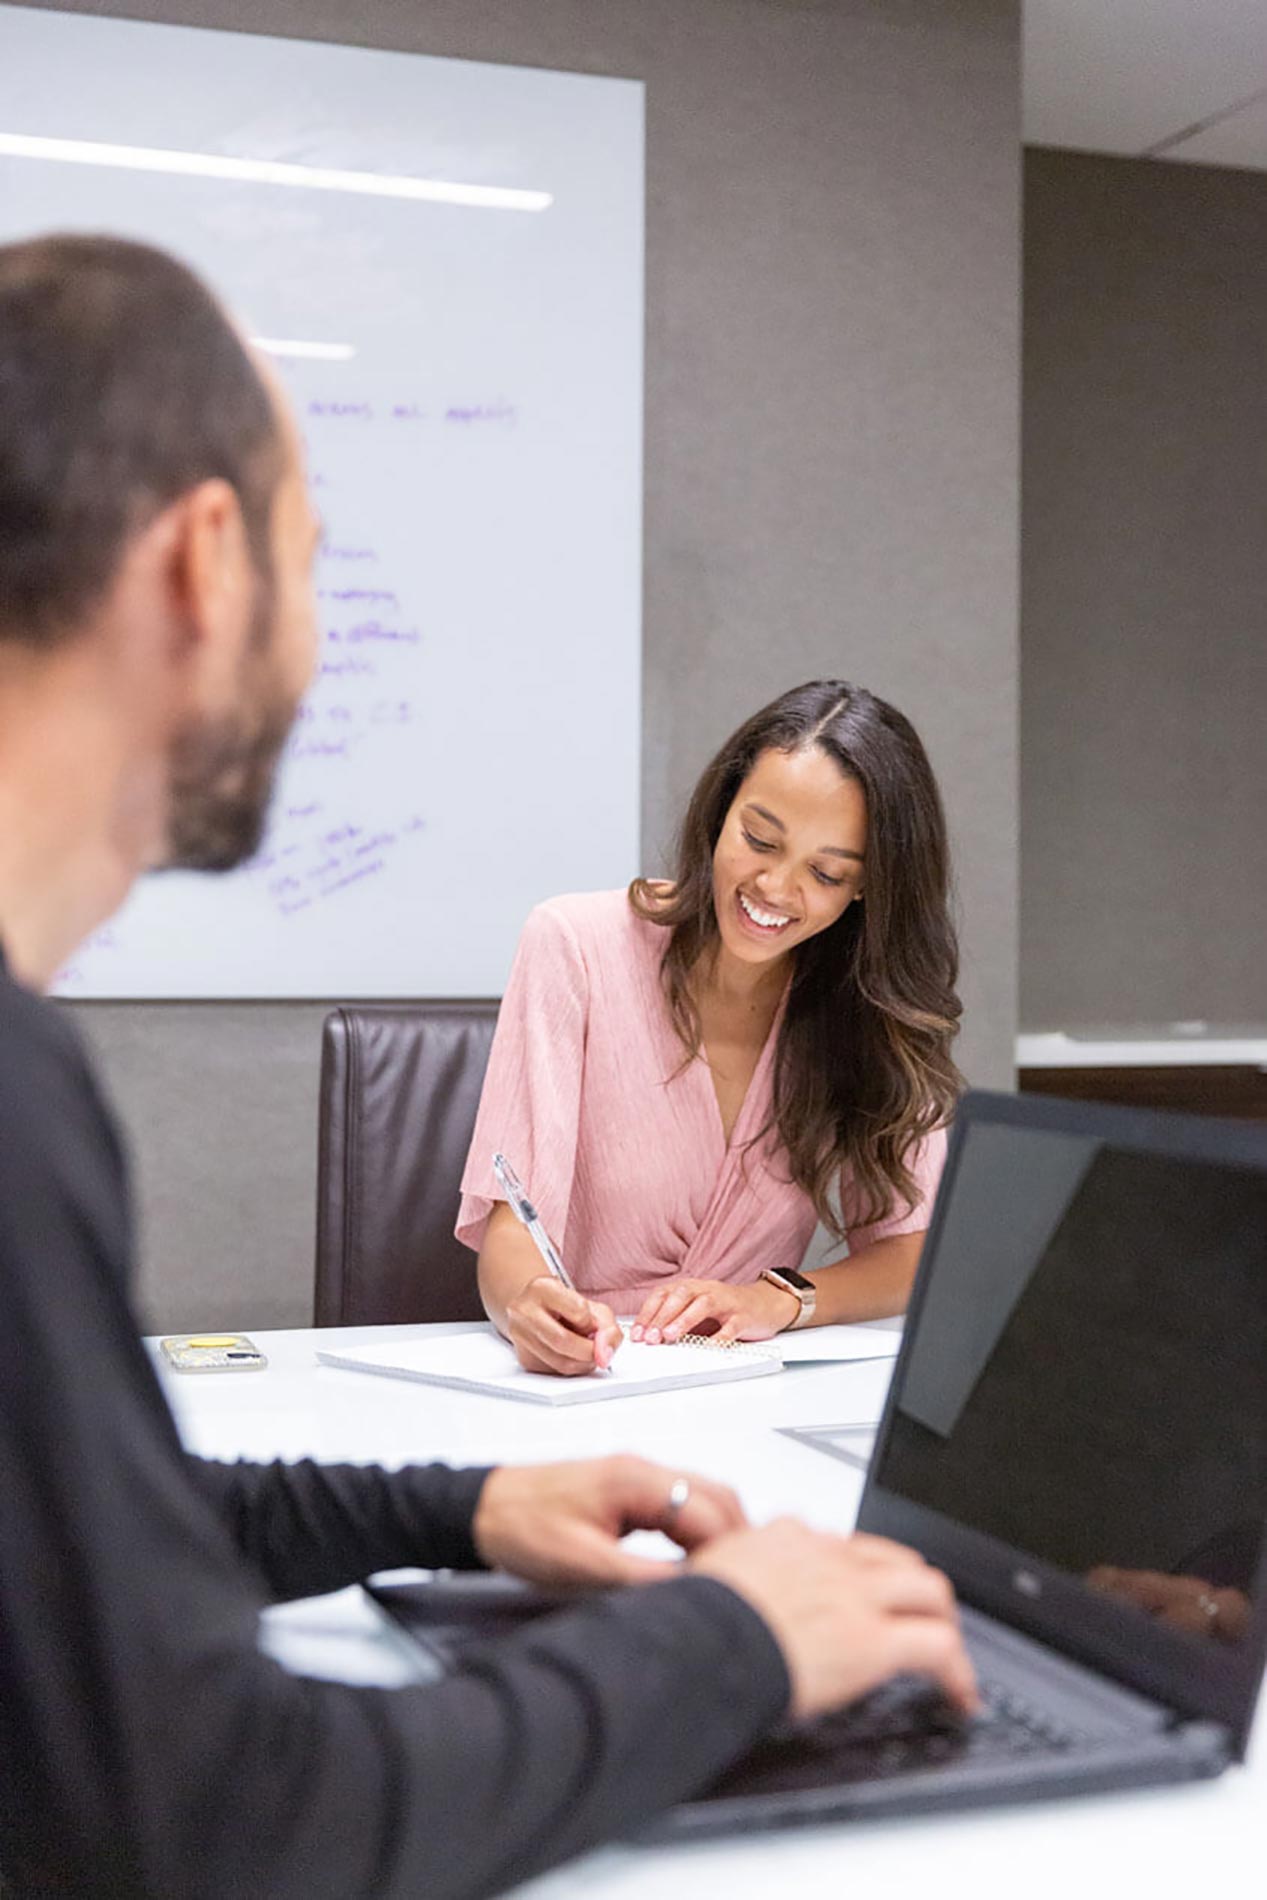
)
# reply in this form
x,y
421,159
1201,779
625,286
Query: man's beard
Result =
x,y
222,772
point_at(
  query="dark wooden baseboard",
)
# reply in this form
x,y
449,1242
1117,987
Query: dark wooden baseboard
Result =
x,y
1225,1089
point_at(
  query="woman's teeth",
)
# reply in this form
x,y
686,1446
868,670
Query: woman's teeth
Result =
x,y
768,920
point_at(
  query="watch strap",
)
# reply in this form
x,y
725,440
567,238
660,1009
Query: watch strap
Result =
x,y
802,1287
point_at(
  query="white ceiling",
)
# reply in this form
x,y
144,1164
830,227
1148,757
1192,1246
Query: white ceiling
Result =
x,y
1174,79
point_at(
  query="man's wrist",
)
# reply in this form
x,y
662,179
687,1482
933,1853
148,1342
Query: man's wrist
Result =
x,y
431,1517
479,1518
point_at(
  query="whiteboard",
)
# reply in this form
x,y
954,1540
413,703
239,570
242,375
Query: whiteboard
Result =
x,y
471,744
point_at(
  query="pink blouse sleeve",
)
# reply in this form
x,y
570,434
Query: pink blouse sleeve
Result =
x,y
925,1163
530,1106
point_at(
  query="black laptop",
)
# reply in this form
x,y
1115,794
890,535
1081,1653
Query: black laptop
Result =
x,y
1076,1432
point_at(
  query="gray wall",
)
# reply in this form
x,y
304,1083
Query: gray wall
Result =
x,y
831,479
1144,600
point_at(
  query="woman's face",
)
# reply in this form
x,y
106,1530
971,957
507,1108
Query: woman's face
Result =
x,y
790,856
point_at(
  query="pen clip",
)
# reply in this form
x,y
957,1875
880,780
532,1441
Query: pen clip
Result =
x,y
515,1190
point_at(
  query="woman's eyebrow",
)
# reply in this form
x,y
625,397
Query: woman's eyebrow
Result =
x,y
828,850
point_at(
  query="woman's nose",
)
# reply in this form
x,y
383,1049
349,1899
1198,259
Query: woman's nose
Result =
x,y
777,887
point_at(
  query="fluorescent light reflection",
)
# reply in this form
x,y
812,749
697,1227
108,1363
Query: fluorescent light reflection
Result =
x,y
261,171
290,346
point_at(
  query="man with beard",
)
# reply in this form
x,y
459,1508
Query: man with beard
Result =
x,y
157,629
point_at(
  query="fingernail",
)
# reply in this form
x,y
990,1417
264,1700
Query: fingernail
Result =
x,y
653,1336
635,1332
671,1332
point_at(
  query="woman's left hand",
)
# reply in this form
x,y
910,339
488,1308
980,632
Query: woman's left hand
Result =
x,y
732,1312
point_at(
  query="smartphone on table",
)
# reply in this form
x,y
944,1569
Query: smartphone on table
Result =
x,y
212,1352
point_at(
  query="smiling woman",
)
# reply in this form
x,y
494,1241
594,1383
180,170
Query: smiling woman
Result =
x,y
691,1073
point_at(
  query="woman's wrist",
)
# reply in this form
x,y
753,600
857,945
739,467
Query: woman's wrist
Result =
x,y
783,1305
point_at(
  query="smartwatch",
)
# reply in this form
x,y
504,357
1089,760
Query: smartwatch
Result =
x,y
803,1289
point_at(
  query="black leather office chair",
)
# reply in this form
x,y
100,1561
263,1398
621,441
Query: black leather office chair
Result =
x,y
400,1085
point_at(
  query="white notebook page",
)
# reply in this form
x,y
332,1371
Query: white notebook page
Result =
x,y
483,1362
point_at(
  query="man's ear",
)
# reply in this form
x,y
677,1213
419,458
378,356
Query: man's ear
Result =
x,y
210,575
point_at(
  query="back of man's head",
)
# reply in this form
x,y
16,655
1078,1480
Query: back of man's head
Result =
x,y
122,385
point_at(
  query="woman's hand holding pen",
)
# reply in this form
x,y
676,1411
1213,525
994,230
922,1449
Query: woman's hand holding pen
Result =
x,y
551,1326
554,1329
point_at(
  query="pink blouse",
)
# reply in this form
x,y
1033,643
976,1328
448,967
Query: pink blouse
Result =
x,y
619,1144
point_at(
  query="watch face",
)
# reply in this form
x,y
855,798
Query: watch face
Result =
x,y
798,1280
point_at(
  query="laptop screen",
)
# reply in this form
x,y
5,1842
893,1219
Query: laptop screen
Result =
x,y
1087,1378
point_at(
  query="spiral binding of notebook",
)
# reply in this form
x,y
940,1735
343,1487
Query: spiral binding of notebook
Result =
x,y
743,1348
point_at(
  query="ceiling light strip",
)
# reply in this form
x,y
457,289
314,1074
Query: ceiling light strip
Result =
x,y
294,346
261,171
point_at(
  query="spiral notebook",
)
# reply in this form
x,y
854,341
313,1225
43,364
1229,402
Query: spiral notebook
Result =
x,y
483,1362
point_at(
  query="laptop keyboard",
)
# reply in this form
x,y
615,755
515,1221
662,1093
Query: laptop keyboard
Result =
x,y
910,1723
902,1727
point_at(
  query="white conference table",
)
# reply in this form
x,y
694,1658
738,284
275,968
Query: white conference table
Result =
x,y
1172,1844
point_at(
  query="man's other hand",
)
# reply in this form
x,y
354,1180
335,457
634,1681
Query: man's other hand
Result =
x,y
560,1525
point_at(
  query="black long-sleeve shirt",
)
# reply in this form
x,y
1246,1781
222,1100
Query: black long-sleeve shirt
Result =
x,y
147,1747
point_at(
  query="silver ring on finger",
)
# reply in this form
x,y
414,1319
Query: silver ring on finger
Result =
x,y
679,1493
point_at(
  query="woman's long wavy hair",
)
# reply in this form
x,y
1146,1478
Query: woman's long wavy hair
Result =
x,y
863,1068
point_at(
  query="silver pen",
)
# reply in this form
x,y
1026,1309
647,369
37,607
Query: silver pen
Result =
x,y
523,1209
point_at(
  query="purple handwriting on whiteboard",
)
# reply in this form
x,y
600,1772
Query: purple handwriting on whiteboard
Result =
x,y
339,858
350,725
289,908
389,636
343,411
498,411
315,853
323,860
353,667
373,630
71,975
371,595
320,749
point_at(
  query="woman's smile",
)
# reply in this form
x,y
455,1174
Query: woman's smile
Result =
x,y
757,919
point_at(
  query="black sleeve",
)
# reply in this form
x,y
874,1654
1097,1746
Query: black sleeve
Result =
x,y
307,1528
147,1747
